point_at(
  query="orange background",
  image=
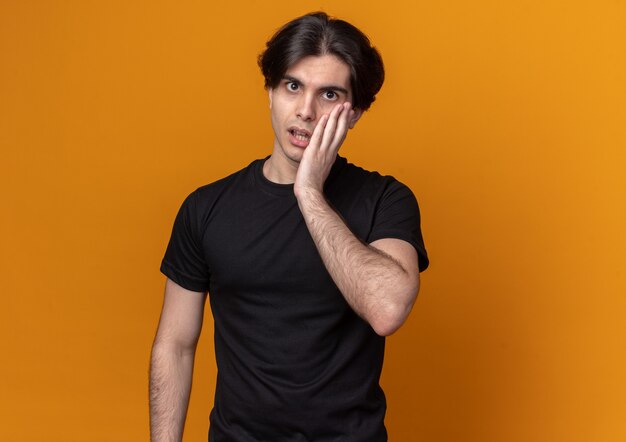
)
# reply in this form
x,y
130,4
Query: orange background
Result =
x,y
507,119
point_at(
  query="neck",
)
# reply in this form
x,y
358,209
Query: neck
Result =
x,y
280,172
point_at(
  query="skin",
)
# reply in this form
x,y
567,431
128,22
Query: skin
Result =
x,y
380,280
172,359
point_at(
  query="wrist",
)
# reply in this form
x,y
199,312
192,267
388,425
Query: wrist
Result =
x,y
308,193
311,201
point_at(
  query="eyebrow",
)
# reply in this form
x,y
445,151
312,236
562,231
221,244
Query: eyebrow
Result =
x,y
330,87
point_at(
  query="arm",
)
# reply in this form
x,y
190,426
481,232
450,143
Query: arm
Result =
x,y
380,281
171,364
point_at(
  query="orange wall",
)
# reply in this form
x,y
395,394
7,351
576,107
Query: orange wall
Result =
x,y
507,119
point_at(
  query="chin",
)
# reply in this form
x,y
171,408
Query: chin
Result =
x,y
293,153
295,158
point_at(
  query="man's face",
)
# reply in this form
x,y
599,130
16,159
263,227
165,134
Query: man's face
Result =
x,y
308,90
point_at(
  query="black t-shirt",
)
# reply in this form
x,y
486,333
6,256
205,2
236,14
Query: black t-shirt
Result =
x,y
295,363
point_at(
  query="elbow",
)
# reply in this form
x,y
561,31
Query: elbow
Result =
x,y
389,322
391,316
386,329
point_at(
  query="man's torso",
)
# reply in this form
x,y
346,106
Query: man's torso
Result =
x,y
294,361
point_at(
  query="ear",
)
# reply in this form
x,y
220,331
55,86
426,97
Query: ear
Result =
x,y
270,90
355,118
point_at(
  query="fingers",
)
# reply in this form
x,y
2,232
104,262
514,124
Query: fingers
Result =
x,y
332,128
343,124
336,127
321,151
318,132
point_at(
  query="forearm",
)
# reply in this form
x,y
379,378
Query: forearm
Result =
x,y
375,285
171,371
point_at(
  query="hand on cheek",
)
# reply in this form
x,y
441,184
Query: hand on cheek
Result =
x,y
321,152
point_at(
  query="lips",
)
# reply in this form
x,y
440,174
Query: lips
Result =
x,y
299,137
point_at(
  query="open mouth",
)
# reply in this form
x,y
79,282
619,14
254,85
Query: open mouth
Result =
x,y
300,134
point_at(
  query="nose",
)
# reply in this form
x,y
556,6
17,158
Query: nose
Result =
x,y
306,107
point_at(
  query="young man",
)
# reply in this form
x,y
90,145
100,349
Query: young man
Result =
x,y
309,261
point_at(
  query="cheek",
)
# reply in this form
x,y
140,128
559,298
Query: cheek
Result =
x,y
325,106
277,118
282,110
276,115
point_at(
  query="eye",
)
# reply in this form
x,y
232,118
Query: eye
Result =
x,y
292,86
331,95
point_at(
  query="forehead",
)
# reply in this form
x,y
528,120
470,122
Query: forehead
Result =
x,y
322,70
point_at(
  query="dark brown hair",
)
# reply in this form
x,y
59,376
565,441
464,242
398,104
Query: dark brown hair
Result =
x,y
317,34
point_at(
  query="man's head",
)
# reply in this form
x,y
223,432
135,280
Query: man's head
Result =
x,y
317,34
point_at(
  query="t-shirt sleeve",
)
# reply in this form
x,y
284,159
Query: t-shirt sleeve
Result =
x,y
398,216
184,261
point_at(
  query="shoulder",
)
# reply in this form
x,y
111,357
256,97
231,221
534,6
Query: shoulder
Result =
x,y
216,187
205,196
354,179
199,204
394,209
